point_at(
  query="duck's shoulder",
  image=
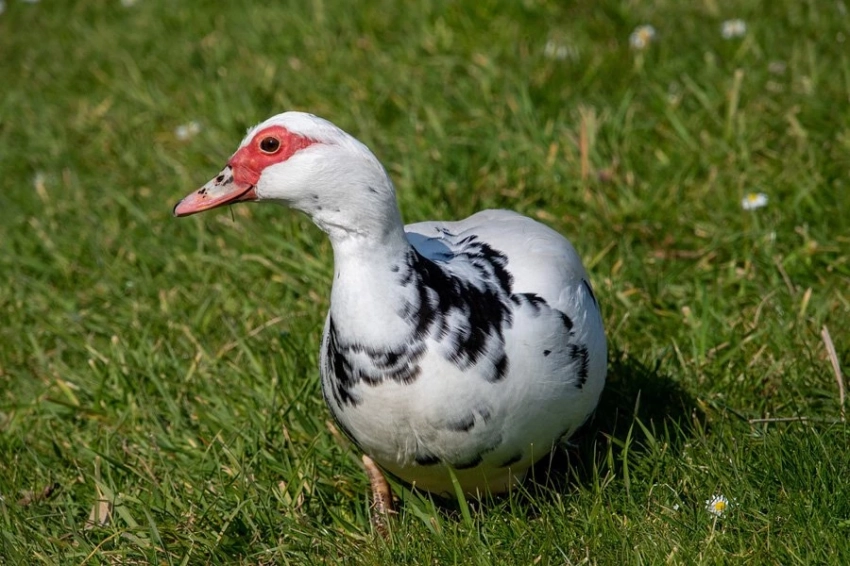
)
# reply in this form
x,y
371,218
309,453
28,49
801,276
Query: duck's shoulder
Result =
x,y
480,223
504,230
538,258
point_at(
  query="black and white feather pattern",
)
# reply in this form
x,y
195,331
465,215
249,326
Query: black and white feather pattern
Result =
x,y
493,364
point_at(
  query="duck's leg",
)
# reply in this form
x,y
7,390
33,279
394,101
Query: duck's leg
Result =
x,y
382,497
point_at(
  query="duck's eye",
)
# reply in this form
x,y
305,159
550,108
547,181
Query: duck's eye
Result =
x,y
269,145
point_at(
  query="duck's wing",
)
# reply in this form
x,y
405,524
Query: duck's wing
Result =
x,y
538,259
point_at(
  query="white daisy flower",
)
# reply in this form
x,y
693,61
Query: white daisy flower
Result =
x,y
642,37
732,29
777,67
717,505
185,131
753,201
555,50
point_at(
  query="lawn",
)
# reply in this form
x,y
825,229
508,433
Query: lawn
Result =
x,y
159,391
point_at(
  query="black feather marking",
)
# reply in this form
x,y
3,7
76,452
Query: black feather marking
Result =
x,y
427,460
343,372
500,369
590,291
483,302
471,463
466,424
338,370
475,460
463,425
566,321
546,353
579,352
512,460
534,300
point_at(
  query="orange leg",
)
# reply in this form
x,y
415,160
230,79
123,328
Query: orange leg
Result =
x,y
382,497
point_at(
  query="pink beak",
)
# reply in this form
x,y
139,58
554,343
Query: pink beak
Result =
x,y
221,190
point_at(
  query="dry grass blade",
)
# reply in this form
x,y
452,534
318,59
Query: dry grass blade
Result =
x,y
230,345
101,512
791,420
836,367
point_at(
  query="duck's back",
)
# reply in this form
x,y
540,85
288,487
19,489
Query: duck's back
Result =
x,y
540,260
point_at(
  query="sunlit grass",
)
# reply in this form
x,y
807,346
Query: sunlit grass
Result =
x,y
168,368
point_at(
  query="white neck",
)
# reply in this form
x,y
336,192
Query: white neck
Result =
x,y
365,284
347,193
370,247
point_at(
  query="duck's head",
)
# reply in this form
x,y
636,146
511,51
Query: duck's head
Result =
x,y
304,162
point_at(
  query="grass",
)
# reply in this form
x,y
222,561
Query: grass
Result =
x,y
169,367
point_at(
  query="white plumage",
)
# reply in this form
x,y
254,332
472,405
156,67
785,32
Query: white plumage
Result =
x,y
472,345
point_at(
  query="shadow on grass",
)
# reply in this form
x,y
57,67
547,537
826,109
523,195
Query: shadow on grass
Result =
x,y
635,394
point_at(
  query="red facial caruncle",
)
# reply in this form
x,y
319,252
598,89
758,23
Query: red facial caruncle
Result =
x,y
238,181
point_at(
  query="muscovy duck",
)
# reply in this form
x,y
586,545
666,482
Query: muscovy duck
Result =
x,y
472,346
